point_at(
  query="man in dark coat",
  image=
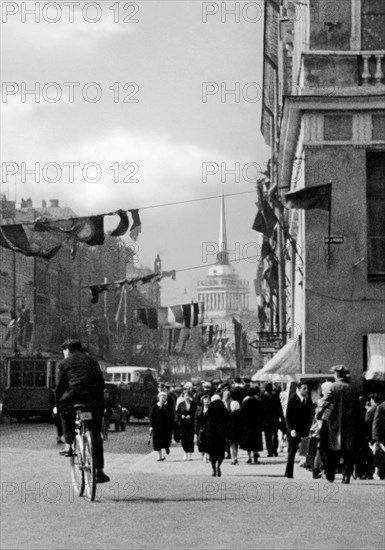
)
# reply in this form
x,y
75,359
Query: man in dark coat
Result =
x,y
272,418
218,418
298,419
81,382
343,401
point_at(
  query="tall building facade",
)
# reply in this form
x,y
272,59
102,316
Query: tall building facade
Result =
x,y
324,118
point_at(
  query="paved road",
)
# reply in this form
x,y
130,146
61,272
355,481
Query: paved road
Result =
x,y
176,504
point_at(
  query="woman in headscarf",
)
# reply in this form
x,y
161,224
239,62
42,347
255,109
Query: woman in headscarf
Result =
x,y
161,425
252,422
218,418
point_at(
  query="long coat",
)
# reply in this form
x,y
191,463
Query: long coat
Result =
x,y
235,430
162,421
272,411
343,399
186,425
201,421
252,420
218,418
379,424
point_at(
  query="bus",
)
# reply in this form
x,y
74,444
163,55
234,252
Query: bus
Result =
x,y
30,385
126,374
138,388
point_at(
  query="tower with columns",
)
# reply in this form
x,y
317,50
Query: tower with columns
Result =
x,y
223,293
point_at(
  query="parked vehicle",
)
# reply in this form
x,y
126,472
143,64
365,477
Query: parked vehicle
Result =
x,y
30,387
114,412
138,388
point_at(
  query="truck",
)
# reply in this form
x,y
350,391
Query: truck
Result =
x,y
138,388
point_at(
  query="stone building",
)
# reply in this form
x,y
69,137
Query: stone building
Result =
x,y
48,299
324,118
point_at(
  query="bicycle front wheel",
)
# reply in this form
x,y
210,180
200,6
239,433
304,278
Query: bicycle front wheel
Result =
x,y
77,467
89,466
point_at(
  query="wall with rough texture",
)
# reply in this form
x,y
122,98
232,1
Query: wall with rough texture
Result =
x,y
341,305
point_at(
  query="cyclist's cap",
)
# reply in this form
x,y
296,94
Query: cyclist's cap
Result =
x,y
72,344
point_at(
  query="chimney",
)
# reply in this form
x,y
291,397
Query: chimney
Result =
x,y
44,204
53,203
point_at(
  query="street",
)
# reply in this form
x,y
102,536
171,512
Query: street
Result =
x,y
175,504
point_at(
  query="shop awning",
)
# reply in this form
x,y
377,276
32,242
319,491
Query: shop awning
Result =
x,y
286,361
376,357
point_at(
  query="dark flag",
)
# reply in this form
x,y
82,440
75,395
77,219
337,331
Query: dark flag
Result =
x,y
15,238
136,227
311,198
86,230
123,224
271,275
265,220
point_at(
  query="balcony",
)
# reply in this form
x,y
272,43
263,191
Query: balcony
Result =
x,y
343,73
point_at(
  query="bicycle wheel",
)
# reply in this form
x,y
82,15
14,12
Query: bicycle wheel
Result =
x,y
89,466
77,467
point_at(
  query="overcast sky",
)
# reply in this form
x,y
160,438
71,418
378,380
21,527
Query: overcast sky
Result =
x,y
145,116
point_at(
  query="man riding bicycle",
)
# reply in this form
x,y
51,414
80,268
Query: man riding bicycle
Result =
x,y
81,382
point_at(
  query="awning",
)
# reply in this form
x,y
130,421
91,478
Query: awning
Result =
x,y
376,357
286,361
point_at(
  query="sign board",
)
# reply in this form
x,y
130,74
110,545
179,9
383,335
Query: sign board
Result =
x,y
268,342
334,239
267,350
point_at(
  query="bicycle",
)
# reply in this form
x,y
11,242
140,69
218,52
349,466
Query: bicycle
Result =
x,y
83,469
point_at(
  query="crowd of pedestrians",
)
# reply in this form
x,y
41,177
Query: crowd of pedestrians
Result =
x,y
219,418
344,432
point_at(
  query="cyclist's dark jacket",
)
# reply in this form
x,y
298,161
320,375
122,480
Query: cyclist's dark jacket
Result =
x,y
81,381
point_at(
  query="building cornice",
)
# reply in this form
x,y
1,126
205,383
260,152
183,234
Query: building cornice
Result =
x,y
293,109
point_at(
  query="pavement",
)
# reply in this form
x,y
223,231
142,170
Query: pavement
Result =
x,y
174,464
178,504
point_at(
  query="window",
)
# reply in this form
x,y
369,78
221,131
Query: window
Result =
x,y
378,127
375,173
338,127
372,25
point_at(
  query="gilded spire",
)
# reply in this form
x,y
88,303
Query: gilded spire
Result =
x,y
222,256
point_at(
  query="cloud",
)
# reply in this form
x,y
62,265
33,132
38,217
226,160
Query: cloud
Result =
x,y
121,169
63,27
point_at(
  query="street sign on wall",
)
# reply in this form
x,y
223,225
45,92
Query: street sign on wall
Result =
x,y
334,239
268,342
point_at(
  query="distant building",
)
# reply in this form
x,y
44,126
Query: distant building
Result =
x,y
43,302
225,296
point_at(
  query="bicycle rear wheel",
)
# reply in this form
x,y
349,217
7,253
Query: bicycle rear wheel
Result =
x,y
77,467
89,466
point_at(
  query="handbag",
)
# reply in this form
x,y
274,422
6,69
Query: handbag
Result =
x,y
379,456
